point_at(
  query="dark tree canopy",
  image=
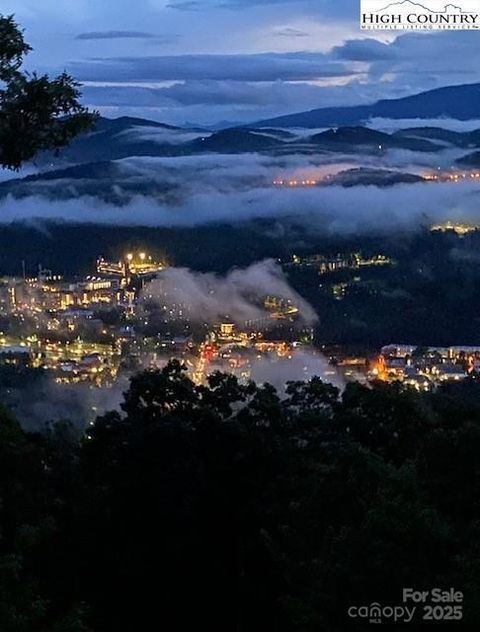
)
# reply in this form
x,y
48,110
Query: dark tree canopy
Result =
x,y
36,113
229,508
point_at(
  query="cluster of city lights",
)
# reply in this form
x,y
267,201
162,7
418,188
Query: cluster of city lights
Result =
x,y
451,177
295,183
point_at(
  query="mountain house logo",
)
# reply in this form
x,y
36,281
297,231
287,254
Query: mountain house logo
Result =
x,y
429,15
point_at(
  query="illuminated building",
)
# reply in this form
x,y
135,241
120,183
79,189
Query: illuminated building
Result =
x,y
458,176
425,368
280,308
293,183
12,292
56,295
138,265
339,291
227,330
450,353
227,333
375,260
326,264
459,228
418,381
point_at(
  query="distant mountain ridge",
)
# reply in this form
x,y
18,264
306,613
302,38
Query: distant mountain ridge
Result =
x,y
115,139
458,102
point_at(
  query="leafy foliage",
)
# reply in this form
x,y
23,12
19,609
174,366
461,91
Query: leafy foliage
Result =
x,y
36,113
228,507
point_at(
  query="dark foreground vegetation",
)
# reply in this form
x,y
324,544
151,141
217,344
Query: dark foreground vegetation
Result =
x,y
225,508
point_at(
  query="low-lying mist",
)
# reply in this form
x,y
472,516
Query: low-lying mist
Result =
x,y
210,188
239,295
335,209
302,366
45,402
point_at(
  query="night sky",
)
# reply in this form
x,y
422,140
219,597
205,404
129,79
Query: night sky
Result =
x,y
211,61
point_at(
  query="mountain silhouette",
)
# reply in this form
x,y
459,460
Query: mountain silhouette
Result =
x,y
460,102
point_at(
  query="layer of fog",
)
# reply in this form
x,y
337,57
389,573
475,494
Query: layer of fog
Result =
x,y
236,188
80,404
237,296
393,125
302,366
160,135
212,173
222,171
325,209
46,401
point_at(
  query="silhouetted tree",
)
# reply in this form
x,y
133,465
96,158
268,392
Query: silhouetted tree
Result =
x,y
36,113
228,507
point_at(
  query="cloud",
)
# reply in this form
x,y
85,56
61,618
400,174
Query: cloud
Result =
x,y
335,56
214,93
67,11
159,135
46,401
100,35
243,4
419,61
195,5
290,32
186,5
340,9
364,50
338,62
323,210
357,71
303,365
255,68
238,296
